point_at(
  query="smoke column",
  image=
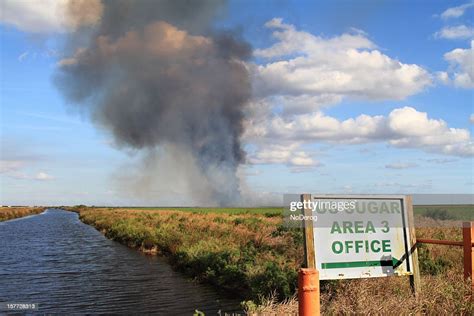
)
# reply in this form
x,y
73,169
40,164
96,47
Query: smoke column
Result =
x,y
163,82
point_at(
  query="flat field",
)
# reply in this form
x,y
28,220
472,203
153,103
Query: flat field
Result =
x,y
441,212
446,212
249,252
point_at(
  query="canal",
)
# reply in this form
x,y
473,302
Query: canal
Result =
x,y
65,266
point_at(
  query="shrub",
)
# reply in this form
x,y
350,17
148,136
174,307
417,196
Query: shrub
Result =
x,y
430,265
274,279
439,214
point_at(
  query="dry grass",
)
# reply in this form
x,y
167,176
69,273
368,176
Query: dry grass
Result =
x,y
7,213
256,256
445,294
444,289
271,306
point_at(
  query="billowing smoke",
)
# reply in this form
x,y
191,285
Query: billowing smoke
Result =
x,y
164,81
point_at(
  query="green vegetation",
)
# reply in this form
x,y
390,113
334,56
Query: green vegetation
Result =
x,y
267,211
446,212
242,253
251,253
7,213
439,212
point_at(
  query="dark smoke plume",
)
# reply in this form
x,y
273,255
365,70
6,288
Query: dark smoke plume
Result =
x,y
158,76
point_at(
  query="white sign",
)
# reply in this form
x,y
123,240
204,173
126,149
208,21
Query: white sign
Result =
x,y
357,236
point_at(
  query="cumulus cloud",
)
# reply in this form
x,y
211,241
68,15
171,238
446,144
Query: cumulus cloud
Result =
x,y
348,65
471,118
302,74
50,15
461,68
456,12
289,155
456,32
403,127
297,104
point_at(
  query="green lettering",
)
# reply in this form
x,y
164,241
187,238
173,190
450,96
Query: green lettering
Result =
x,y
359,227
395,206
338,244
336,228
372,206
384,208
386,246
370,227
372,246
348,245
347,226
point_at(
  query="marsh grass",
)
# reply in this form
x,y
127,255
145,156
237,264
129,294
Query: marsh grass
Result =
x,y
7,213
248,254
256,257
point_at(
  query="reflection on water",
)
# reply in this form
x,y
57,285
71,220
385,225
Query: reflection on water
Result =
x,y
68,267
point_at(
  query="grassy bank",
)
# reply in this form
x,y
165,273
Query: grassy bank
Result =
x,y
7,213
246,254
253,255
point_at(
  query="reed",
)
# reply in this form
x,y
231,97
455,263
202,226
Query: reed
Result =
x,y
7,213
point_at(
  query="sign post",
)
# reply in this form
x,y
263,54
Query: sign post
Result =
x,y
415,280
309,249
468,240
308,277
359,236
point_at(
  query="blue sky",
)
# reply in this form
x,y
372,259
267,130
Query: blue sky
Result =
x,y
51,153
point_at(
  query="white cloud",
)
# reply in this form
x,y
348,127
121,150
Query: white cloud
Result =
x,y
49,15
349,65
15,169
403,127
400,165
456,32
410,123
456,12
288,155
471,118
43,176
443,77
461,66
297,104
313,126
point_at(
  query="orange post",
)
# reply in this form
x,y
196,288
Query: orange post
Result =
x,y
308,292
468,239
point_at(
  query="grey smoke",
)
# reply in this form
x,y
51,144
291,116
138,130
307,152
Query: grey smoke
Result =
x,y
157,75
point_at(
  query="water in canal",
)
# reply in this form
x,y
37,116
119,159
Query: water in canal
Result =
x,y
65,266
